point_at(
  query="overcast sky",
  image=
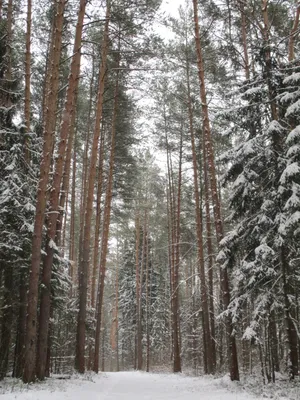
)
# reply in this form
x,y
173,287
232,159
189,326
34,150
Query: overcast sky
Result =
x,y
171,6
168,7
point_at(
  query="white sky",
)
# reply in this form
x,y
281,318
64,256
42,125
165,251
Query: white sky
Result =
x,y
167,8
171,6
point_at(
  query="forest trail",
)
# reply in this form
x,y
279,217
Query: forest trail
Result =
x,y
133,386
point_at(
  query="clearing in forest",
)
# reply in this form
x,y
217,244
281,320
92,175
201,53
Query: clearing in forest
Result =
x,y
130,386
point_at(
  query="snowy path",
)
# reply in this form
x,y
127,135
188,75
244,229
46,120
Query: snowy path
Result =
x,y
131,386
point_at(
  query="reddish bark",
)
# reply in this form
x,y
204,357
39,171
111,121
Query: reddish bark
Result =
x,y
45,305
207,341
84,261
49,127
293,34
72,249
210,263
106,225
27,78
175,313
98,220
244,40
21,330
234,370
139,353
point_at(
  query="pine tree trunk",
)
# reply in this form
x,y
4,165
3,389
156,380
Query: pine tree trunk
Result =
x,y
98,219
64,190
148,300
85,165
21,329
234,370
293,34
210,263
49,58
273,341
175,352
106,225
72,248
117,312
244,40
54,197
169,254
84,260
268,60
207,342
176,320
8,50
289,314
139,356
140,359
27,79
49,127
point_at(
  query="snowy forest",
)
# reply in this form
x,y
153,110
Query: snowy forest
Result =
x,y
150,187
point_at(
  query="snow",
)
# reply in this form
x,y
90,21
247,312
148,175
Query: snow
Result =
x,y
293,109
290,171
292,79
254,91
131,386
290,222
293,201
290,97
52,245
274,127
294,135
250,333
293,151
264,251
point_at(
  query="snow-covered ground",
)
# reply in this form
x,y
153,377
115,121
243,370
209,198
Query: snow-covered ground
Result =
x,y
127,386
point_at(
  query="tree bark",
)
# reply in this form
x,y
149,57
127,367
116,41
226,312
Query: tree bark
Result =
x,y
140,360
117,311
72,248
98,219
106,225
289,315
64,190
84,261
273,341
234,370
293,35
27,79
148,301
207,341
49,127
175,295
210,262
21,330
54,197
8,53
171,210
139,354
244,39
85,165
268,60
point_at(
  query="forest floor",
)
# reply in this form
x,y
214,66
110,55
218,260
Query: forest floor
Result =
x,y
133,386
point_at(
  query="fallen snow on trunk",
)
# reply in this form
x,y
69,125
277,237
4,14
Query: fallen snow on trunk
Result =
x,y
129,386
